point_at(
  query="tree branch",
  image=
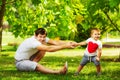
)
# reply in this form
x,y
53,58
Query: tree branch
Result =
x,y
7,3
115,25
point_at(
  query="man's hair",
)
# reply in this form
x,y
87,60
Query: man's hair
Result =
x,y
94,29
41,31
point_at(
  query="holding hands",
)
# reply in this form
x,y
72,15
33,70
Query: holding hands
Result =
x,y
71,44
75,44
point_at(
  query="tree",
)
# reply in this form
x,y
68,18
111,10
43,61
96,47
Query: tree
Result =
x,y
105,12
2,10
66,19
56,16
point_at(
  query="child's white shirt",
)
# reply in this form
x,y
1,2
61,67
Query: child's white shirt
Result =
x,y
92,47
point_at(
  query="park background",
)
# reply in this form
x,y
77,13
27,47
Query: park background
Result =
x,y
63,20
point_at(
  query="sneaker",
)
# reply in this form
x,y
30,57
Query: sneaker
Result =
x,y
76,73
66,66
98,74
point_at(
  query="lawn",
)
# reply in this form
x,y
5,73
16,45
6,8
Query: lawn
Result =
x,y
55,60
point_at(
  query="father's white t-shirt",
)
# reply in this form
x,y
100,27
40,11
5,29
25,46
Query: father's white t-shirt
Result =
x,y
28,48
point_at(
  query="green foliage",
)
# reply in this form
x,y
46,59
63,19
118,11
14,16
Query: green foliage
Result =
x,y
58,17
66,19
104,14
114,3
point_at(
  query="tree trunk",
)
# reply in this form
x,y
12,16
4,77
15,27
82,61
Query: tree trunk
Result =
x,y
0,40
2,10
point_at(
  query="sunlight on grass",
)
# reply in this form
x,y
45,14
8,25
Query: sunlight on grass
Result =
x,y
80,52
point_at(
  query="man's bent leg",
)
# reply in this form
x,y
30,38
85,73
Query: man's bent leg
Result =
x,y
38,56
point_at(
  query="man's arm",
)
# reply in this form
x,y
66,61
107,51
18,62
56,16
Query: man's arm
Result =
x,y
53,48
56,42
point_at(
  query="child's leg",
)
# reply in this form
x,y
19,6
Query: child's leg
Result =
x,y
80,67
98,67
97,63
82,64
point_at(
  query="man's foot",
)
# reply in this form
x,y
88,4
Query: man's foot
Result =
x,y
65,68
76,73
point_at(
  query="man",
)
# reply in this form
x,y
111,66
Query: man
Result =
x,y
33,49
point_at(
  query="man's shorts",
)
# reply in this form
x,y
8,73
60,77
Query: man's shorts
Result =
x,y
87,59
26,65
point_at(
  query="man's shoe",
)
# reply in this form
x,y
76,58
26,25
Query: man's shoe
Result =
x,y
66,66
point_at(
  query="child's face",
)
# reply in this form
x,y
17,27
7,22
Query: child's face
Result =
x,y
95,34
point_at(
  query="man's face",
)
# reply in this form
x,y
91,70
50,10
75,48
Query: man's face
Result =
x,y
41,38
95,35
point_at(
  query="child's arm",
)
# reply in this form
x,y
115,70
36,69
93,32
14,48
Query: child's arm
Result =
x,y
81,43
99,54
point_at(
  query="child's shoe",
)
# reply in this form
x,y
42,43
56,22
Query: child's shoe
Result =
x,y
76,73
98,74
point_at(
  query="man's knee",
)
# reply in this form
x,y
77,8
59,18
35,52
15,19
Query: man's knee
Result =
x,y
42,52
37,57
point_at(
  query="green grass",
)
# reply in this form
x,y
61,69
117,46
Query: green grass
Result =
x,y
55,60
113,43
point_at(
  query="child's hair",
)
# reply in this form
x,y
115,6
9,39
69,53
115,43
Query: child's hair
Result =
x,y
40,31
94,29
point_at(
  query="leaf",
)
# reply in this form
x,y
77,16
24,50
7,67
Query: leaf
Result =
x,y
36,2
114,3
79,19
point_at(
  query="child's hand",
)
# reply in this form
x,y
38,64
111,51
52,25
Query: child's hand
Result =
x,y
97,58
